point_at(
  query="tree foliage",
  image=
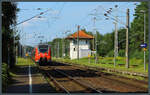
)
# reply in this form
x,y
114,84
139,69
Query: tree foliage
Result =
x,y
9,10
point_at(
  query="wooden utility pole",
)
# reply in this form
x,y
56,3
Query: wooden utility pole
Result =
x,y
78,42
127,39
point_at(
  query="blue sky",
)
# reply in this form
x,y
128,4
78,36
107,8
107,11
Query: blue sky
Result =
x,y
65,16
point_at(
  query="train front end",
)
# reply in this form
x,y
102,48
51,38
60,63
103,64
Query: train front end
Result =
x,y
43,54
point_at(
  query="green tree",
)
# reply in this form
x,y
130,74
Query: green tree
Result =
x,y
137,29
9,10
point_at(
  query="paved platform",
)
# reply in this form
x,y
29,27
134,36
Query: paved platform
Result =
x,y
21,82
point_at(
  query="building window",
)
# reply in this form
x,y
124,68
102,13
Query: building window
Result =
x,y
74,41
74,49
86,41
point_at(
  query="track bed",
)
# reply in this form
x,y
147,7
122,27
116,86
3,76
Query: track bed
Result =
x,y
76,79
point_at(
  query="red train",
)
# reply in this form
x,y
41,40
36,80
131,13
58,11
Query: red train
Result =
x,y
42,54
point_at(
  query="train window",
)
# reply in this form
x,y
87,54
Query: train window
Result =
x,y
43,48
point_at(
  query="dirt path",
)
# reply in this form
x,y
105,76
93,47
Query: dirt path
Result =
x,y
21,82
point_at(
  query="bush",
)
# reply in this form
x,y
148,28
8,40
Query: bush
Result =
x,y
136,61
5,75
139,55
121,53
110,53
67,57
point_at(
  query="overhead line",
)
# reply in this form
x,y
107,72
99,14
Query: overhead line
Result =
x,y
33,17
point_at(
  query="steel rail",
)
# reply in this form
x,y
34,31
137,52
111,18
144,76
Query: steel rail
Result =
x,y
56,82
86,85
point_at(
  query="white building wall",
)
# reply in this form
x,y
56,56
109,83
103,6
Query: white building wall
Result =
x,y
84,49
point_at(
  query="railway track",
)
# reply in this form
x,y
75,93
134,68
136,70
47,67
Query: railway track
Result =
x,y
73,79
75,84
120,80
84,67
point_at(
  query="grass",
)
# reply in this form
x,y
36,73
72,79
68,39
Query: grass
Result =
x,y
128,76
21,62
136,65
24,62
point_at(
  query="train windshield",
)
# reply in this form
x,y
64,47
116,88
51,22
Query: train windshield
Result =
x,y
43,48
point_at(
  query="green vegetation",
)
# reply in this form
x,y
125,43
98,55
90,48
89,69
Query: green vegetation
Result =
x,y
6,78
63,44
136,65
129,76
9,11
25,62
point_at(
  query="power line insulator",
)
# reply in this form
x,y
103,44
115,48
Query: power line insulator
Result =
x,y
41,13
105,14
116,6
107,11
38,8
110,10
39,17
107,18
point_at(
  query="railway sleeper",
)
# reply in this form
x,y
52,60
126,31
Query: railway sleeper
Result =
x,y
81,83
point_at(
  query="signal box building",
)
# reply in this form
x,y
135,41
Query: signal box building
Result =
x,y
84,44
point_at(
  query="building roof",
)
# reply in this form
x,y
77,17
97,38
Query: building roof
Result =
x,y
82,35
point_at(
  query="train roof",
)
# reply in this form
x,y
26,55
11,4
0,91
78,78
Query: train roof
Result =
x,y
42,44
